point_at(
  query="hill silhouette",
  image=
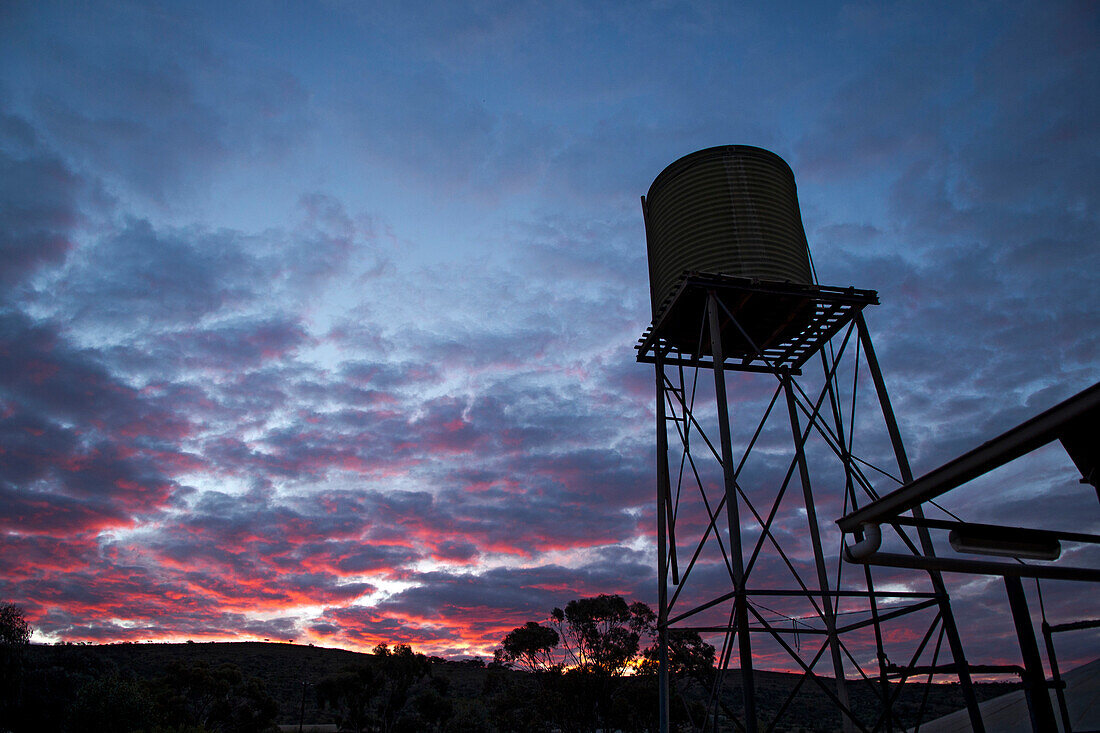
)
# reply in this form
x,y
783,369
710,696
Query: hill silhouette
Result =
x,y
284,667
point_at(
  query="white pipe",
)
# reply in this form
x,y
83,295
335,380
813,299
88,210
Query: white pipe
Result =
x,y
872,538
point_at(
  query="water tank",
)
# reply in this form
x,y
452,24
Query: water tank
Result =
x,y
730,210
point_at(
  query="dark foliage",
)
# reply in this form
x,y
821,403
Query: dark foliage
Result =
x,y
392,694
38,696
74,687
601,634
691,674
215,699
112,702
77,689
14,630
531,646
350,695
601,637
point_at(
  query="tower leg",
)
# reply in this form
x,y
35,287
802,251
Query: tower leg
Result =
x,y
1056,676
732,515
1035,688
662,552
950,629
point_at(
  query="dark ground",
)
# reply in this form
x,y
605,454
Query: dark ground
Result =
x,y
812,710
284,668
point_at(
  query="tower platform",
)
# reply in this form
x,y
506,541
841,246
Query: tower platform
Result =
x,y
765,325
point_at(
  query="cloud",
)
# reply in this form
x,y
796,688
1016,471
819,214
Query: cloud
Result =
x,y
164,91
479,608
41,200
138,278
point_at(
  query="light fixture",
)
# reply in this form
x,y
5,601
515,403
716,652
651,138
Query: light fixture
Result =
x,y
1005,542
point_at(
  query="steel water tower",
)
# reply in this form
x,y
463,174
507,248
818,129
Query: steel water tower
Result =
x,y
744,469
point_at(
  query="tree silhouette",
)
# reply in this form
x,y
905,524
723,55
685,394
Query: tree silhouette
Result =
x,y
111,702
399,669
602,634
531,646
214,698
15,634
349,694
14,629
688,655
601,637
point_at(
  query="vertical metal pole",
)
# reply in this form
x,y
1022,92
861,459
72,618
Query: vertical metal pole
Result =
x,y
1038,699
302,711
951,630
732,516
662,550
1056,675
819,556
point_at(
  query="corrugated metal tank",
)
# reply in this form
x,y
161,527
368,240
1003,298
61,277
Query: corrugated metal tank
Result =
x,y
730,210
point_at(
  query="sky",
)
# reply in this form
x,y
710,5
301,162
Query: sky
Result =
x,y
317,319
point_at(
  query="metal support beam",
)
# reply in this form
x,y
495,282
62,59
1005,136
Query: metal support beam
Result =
x,y
1033,535
950,629
1022,439
938,565
849,492
733,517
1056,676
1035,687
662,551
819,556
